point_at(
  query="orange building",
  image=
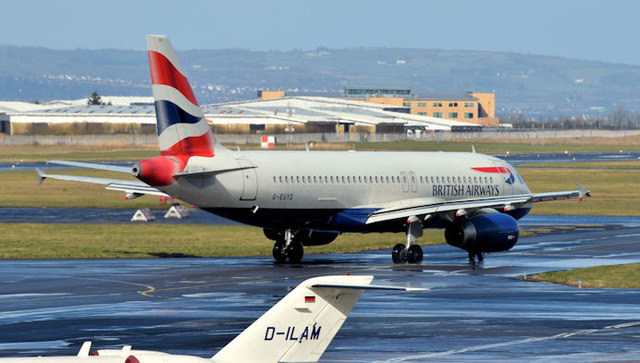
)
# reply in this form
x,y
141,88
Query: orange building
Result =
x,y
267,95
473,107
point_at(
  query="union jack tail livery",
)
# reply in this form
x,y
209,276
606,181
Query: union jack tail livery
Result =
x,y
182,128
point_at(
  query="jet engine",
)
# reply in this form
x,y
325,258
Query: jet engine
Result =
x,y
484,233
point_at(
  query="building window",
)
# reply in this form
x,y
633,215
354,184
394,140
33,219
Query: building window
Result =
x,y
437,104
453,104
406,104
437,114
468,104
453,115
422,113
468,115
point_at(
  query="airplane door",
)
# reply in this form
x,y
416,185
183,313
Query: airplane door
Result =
x,y
249,180
413,182
405,181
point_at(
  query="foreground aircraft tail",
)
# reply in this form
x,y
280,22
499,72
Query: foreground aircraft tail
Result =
x,y
300,327
182,127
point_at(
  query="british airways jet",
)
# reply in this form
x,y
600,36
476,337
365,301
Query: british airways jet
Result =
x,y
303,198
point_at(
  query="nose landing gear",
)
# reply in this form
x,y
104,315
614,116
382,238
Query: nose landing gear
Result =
x,y
473,255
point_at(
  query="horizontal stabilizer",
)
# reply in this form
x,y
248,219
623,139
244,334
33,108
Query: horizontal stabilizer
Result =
x,y
127,186
201,172
116,168
369,287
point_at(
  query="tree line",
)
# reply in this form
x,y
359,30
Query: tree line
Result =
x,y
620,119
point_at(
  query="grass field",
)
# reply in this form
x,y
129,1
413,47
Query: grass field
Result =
x,y
55,241
119,152
617,276
78,153
615,189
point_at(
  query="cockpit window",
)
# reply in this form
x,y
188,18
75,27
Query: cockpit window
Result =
x,y
515,172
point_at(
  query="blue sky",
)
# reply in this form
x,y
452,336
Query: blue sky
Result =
x,y
584,29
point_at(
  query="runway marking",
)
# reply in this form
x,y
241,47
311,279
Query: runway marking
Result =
x,y
147,292
515,342
152,289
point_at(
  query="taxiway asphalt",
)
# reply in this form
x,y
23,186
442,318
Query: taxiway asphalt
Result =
x,y
196,306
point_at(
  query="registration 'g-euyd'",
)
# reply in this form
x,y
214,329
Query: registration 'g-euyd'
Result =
x,y
308,198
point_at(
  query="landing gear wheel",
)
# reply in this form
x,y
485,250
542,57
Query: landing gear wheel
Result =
x,y
279,251
480,256
472,258
397,254
295,251
414,254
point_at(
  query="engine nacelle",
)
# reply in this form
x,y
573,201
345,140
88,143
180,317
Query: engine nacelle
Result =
x,y
486,233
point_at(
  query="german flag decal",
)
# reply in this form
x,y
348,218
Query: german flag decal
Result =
x,y
309,299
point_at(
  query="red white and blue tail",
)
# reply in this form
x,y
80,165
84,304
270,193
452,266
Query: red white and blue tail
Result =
x,y
182,127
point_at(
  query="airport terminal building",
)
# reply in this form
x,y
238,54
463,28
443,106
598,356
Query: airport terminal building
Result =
x,y
360,111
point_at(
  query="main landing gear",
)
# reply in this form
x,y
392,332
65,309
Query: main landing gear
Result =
x,y
473,255
286,247
411,252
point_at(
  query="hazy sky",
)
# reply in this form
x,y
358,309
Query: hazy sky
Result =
x,y
581,29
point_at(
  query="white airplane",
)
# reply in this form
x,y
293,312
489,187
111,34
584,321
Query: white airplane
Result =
x,y
297,329
304,198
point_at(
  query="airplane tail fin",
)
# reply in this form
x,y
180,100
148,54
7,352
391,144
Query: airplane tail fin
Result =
x,y
299,327
182,127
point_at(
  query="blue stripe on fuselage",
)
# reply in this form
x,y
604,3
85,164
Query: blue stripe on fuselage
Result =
x,y
168,114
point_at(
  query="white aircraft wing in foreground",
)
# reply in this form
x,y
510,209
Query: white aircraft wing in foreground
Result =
x,y
297,329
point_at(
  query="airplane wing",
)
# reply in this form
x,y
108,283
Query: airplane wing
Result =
x,y
132,188
431,206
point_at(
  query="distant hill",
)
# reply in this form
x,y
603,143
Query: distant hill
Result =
x,y
534,85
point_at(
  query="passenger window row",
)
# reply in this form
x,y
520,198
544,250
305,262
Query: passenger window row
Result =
x,y
315,179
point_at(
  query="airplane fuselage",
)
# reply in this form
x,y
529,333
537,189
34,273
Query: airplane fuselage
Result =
x,y
337,191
